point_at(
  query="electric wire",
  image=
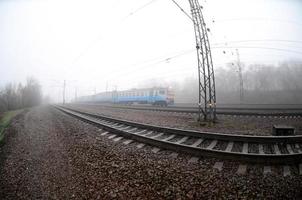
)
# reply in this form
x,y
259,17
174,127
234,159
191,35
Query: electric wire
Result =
x,y
255,47
259,19
266,40
100,36
163,60
140,8
182,10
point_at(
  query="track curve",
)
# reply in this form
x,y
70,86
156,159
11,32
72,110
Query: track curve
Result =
x,y
259,149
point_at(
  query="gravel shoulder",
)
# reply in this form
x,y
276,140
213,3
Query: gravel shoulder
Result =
x,y
226,124
49,155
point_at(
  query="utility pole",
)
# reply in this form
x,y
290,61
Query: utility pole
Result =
x,y
106,86
207,92
240,78
64,91
75,94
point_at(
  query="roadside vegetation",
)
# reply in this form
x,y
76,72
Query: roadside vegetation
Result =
x,y
17,96
5,119
14,98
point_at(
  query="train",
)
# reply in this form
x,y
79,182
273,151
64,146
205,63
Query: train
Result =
x,y
161,96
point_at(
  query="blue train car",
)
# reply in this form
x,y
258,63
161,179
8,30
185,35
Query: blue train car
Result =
x,y
155,96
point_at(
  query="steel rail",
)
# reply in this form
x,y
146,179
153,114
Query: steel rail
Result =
x,y
247,157
252,107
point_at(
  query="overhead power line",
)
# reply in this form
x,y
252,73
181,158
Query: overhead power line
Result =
x,y
260,19
140,8
265,40
255,47
143,66
182,10
99,37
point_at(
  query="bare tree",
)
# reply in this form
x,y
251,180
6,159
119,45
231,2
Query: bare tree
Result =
x,y
18,96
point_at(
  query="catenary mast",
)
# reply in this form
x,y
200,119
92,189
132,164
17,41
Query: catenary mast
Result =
x,y
207,93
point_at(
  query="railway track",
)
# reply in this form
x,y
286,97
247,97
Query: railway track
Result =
x,y
251,112
253,149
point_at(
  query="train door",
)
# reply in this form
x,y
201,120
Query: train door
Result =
x,y
151,96
114,97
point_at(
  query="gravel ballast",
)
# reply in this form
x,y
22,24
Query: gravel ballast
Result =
x,y
49,155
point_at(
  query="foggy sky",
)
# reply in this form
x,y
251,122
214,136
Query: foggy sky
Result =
x,y
117,43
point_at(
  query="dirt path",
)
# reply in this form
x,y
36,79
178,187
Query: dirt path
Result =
x,y
48,155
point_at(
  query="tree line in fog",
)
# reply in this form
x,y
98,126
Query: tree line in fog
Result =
x,y
15,96
262,84
279,84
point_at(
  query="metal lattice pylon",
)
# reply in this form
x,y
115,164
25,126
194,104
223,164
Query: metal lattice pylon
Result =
x,y
240,77
207,92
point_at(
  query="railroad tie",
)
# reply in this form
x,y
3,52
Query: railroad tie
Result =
x,y
277,150
182,140
298,148
267,170
105,133
261,151
140,145
212,145
123,129
155,150
229,147
289,149
147,133
158,135
140,132
197,142
117,139
286,170
241,169
103,121
218,166
168,138
245,148
120,126
127,142
111,136
132,130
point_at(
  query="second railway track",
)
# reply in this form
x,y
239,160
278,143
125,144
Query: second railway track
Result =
x,y
251,112
254,149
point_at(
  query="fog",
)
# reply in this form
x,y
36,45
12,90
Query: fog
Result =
x,y
104,45
262,84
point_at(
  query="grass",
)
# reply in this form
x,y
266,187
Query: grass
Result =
x,y
5,119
